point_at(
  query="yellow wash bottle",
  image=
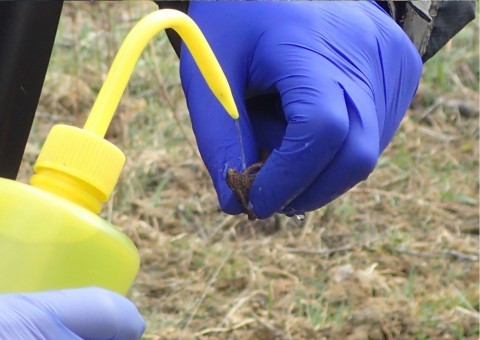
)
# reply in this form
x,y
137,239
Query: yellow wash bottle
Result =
x,y
51,235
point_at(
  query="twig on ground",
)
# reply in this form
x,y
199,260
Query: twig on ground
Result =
x,y
277,271
224,329
445,253
326,251
464,300
329,251
464,311
461,256
274,330
207,288
307,225
173,108
239,303
219,227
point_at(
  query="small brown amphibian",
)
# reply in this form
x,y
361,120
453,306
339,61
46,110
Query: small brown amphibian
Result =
x,y
240,184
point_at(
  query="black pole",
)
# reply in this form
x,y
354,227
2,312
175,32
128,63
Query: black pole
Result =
x,y
27,34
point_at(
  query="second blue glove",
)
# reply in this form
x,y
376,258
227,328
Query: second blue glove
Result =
x,y
70,314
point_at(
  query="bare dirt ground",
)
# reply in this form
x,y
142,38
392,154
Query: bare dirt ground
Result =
x,y
395,258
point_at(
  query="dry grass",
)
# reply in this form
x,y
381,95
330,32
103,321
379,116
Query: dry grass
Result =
x,y
396,257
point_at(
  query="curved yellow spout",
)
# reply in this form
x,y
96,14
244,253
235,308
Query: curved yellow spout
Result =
x,y
129,52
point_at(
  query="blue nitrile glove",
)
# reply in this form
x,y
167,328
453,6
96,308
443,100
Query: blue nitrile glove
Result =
x,y
84,313
321,86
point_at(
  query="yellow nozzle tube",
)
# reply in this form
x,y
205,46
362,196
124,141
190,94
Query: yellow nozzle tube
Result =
x,y
129,52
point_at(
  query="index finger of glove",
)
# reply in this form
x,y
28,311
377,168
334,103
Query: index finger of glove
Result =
x,y
221,143
317,120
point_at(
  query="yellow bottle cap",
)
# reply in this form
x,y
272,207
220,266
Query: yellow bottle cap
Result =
x,y
74,158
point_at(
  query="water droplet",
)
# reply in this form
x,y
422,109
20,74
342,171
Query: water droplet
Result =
x,y
300,217
240,142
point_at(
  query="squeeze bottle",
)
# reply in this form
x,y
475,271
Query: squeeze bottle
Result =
x,y
51,236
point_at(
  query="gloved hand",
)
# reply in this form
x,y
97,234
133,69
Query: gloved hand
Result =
x,y
320,86
84,313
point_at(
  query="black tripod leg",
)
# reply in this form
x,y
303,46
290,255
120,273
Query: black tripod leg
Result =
x,y
27,34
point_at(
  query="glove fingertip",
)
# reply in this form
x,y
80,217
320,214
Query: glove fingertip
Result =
x,y
125,310
259,204
229,204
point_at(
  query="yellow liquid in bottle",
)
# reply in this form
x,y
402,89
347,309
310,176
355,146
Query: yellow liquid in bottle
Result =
x,y
47,242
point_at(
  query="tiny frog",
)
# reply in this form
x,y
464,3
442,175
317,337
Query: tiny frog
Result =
x,y
240,184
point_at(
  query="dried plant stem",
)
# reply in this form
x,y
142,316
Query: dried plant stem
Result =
x,y
207,288
275,331
445,253
166,97
240,302
224,329
329,251
464,311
